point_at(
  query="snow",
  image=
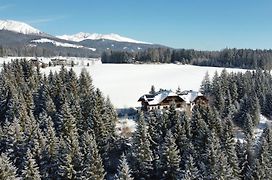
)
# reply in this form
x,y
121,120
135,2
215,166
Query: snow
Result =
x,y
125,83
125,127
190,96
159,98
56,43
257,131
18,27
95,36
260,127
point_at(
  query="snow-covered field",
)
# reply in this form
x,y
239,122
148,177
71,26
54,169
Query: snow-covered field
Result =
x,y
125,83
56,43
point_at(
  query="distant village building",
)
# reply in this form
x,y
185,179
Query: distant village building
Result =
x,y
57,61
161,100
36,62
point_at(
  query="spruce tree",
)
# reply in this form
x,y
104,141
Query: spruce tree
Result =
x,y
190,172
65,165
248,125
228,144
123,171
142,154
97,171
263,166
152,90
216,163
205,87
7,169
49,155
170,158
31,170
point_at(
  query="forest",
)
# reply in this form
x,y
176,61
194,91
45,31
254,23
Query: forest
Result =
x,y
233,58
61,127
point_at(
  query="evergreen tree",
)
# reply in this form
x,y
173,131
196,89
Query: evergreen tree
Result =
x,y
123,172
228,143
190,172
31,170
263,165
170,158
152,90
248,125
49,155
65,165
97,171
7,169
216,163
199,132
15,145
205,87
142,154
246,164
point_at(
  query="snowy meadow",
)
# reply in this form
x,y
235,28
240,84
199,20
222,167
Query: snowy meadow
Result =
x,y
125,83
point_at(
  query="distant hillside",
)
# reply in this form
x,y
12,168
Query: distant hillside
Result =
x,y
20,39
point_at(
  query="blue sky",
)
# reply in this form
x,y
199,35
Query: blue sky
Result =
x,y
198,24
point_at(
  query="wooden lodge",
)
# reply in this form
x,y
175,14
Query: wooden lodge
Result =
x,y
162,100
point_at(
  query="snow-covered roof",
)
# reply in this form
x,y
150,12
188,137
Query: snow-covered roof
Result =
x,y
190,96
160,97
187,96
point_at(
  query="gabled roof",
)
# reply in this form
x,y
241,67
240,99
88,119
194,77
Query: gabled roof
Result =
x,y
154,99
190,96
160,97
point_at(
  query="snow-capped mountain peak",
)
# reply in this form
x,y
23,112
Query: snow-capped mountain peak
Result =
x,y
95,36
19,27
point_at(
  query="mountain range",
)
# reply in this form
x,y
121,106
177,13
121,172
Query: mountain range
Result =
x,y
20,39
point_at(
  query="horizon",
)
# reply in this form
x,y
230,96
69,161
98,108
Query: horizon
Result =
x,y
195,24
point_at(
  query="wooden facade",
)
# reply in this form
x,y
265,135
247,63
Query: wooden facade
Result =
x,y
151,102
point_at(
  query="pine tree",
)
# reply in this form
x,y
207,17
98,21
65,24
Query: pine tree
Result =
x,y
245,160
263,166
65,166
15,144
7,169
217,91
173,116
170,158
86,99
49,155
70,135
248,125
216,163
142,155
123,172
228,143
97,171
205,87
190,172
199,132
31,170
43,102
152,90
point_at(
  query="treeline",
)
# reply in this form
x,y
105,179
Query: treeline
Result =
x,y
239,58
240,97
61,127
46,51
